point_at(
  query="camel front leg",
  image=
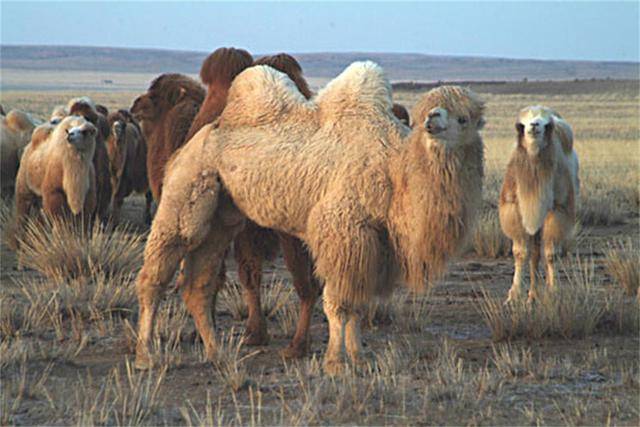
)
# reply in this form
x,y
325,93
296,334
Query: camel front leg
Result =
x,y
535,243
333,359
520,255
549,256
353,338
299,263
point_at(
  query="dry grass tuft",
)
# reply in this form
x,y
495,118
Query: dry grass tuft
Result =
x,y
46,304
488,239
576,309
129,398
623,263
275,296
230,365
406,312
59,249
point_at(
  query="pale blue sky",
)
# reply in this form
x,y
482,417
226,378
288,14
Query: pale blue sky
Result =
x,y
541,30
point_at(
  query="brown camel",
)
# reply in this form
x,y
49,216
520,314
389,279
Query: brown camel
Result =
x,y
127,152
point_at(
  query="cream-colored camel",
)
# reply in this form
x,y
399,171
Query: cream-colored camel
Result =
x,y
539,194
339,172
15,133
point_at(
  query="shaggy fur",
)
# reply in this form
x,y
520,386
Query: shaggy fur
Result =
x,y
339,172
57,171
15,132
165,113
255,244
59,112
86,108
539,193
401,114
127,151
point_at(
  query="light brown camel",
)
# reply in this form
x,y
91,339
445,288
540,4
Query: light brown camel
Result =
x,y
15,133
127,151
340,172
86,108
57,173
254,244
538,198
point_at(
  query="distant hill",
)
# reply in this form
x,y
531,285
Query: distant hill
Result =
x,y
399,66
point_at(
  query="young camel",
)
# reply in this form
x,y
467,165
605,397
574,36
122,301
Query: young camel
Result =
x,y
538,199
340,172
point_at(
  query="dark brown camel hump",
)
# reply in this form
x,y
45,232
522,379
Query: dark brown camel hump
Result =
x,y
223,65
401,113
175,87
287,64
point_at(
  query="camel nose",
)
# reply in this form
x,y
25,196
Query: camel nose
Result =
x,y
432,125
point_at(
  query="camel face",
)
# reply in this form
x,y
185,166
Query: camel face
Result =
x,y
116,148
534,128
449,128
59,112
144,108
80,133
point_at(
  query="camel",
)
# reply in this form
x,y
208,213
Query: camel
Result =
x,y
538,199
373,201
57,172
254,244
127,152
15,133
165,113
86,108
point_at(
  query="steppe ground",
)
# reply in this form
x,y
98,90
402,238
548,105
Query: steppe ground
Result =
x,y
453,356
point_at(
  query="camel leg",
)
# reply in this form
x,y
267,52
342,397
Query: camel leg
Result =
x,y
535,243
299,263
333,362
201,282
520,255
148,197
250,274
353,339
549,256
163,253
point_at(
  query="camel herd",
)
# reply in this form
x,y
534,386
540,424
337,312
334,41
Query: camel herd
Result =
x,y
360,196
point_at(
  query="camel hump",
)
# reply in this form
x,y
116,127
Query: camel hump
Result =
x,y
361,86
564,133
260,95
19,121
40,134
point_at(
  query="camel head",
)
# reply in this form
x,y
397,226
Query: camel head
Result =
x,y
117,145
164,93
80,133
59,112
448,116
535,128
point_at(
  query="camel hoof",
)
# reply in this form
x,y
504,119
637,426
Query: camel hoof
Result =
x,y
294,351
143,362
256,337
333,367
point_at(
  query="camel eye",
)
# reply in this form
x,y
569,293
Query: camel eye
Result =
x,y
462,120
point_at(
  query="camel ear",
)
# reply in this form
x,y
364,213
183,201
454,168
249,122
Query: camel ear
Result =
x,y
520,128
177,95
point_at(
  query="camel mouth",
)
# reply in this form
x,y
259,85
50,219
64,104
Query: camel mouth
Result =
x,y
435,130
